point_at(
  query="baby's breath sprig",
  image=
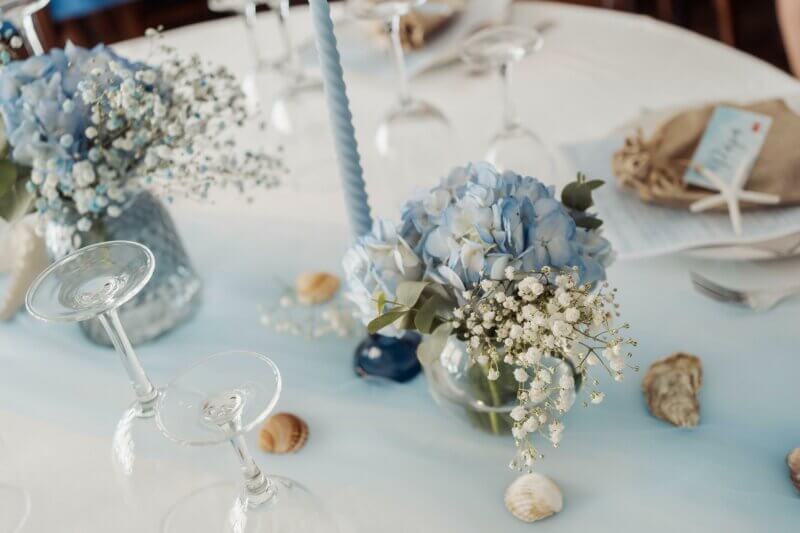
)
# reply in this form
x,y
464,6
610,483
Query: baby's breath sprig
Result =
x,y
536,323
115,126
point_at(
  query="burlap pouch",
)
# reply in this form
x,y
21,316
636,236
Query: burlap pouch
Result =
x,y
655,167
417,28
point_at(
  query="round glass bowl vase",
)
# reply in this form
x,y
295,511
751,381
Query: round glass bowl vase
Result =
x,y
173,294
462,387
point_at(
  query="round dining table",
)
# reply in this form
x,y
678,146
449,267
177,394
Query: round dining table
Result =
x,y
386,458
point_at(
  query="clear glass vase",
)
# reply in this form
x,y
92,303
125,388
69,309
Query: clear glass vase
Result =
x,y
175,290
461,386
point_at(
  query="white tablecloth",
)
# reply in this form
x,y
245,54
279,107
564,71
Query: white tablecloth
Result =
x,y
386,458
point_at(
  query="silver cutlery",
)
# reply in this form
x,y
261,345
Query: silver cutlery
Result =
x,y
756,299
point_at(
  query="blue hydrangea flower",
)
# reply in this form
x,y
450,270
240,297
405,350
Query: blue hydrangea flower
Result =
x,y
474,224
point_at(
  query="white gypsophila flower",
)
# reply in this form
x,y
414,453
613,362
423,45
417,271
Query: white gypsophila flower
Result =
x,y
519,413
616,363
562,322
531,424
572,314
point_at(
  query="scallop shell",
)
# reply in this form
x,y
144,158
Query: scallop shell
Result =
x,y
283,433
533,497
25,256
670,389
316,287
793,460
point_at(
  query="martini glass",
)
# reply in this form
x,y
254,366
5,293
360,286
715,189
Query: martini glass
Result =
x,y
94,282
514,147
219,400
19,14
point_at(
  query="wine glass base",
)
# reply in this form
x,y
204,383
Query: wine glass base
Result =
x,y
15,506
410,115
291,105
520,150
222,508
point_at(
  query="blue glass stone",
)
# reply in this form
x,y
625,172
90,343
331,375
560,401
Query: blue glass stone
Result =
x,y
388,357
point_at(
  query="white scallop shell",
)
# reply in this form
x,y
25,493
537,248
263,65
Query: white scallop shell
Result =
x,y
24,257
533,497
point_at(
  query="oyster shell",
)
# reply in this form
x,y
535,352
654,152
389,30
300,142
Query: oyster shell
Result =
x,y
283,433
533,497
316,287
793,460
670,389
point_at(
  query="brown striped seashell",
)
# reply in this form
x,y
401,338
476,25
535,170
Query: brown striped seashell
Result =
x,y
316,287
533,497
793,460
283,433
670,389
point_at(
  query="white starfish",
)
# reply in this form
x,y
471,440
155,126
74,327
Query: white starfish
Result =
x,y
731,194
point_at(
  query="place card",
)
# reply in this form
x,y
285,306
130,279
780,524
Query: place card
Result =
x,y
729,147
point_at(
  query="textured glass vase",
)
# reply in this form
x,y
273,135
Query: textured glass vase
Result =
x,y
173,294
461,386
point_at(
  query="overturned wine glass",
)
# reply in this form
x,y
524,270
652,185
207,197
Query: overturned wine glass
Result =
x,y
514,146
94,282
219,400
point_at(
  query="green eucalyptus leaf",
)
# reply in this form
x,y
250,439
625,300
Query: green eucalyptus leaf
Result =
x,y
432,345
409,292
407,320
589,223
423,321
386,319
8,176
15,200
381,302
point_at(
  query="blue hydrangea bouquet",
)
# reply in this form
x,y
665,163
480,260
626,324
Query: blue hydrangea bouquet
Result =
x,y
95,142
507,284
92,129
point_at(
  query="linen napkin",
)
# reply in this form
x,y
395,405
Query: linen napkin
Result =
x,y
655,167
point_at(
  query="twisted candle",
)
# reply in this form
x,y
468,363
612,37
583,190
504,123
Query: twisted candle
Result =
x,y
341,120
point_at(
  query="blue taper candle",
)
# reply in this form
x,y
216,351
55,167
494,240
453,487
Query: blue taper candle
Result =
x,y
344,134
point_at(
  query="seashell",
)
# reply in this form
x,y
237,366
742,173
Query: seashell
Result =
x,y
316,287
25,256
670,389
283,433
533,497
793,460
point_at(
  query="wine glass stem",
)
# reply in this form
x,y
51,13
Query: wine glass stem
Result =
x,y
258,487
283,26
399,60
146,393
510,119
249,17
31,37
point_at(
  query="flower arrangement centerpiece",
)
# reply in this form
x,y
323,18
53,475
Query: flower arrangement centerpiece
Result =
x,y
507,284
103,138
